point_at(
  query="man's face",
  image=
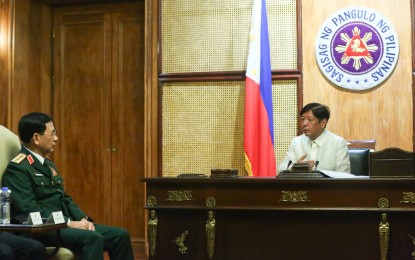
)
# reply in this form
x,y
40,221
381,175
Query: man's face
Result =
x,y
311,126
46,141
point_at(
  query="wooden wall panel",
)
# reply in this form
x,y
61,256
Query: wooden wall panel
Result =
x,y
99,111
31,76
128,112
383,113
82,109
152,100
6,16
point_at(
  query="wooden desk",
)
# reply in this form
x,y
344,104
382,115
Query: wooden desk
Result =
x,y
33,229
270,218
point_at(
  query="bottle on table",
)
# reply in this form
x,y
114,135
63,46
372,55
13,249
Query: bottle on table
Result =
x,y
5,205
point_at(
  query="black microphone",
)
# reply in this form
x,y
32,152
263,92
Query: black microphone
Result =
x,y
315,165
288,165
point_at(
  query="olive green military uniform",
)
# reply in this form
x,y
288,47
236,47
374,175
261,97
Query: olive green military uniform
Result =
x,y
39,188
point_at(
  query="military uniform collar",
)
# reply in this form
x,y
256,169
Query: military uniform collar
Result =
x,y
38,156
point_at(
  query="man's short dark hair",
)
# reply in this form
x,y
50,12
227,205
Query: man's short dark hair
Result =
x,y
32,123
320,111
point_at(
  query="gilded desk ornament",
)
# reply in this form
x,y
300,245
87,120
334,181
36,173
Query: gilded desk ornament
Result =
x,y
179,241
294,196
180,195
408,197
383,203
384,236
152,231
210,202
210,228
151,201
413,242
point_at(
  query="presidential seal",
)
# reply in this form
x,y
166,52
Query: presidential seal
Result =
x,y
357,48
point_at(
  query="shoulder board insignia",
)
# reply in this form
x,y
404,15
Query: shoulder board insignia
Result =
x,y
19,158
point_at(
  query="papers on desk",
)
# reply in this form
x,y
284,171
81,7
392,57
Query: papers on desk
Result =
x,y
333,174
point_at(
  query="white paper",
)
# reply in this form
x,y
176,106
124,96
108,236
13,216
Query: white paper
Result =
x,y
344,175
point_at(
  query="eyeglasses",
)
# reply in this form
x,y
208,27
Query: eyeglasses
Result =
x,y
53,134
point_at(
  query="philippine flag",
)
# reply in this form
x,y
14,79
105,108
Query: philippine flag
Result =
x,y
259,130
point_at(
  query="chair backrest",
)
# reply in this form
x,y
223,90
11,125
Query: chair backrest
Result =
x,y
392,162
359,155
362,144
359,161
9,147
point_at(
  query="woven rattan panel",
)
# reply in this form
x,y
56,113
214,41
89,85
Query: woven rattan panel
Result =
x,y
212,35
203,125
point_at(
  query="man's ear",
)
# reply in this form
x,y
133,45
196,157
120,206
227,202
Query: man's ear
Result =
x,y
36,138
324,121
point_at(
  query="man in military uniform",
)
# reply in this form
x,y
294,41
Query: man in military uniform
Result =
x,y
37,187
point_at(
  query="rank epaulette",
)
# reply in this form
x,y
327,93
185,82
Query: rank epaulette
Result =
x,y
30,159
19,158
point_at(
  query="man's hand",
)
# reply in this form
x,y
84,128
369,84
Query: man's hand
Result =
x,y
82,224
301,159
311,163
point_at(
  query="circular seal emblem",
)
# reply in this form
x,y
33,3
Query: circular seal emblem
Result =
x,y
357,48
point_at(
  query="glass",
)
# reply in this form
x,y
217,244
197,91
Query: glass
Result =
x,y
53,133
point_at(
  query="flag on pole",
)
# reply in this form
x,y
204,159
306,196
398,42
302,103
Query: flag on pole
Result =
x,y
259,130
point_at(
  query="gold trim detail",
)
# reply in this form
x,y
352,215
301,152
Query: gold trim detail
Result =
x,y
294,196
210,202
152,231
179,241
180,195
384,236
151,201
210,228
383,203
408,197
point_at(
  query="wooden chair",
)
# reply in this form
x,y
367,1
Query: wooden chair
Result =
x,y
392,162
9,148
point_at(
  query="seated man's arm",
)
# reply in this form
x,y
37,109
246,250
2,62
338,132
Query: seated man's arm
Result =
x,y
23,196
295,153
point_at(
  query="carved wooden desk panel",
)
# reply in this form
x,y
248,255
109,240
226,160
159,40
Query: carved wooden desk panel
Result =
x,y
270,218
